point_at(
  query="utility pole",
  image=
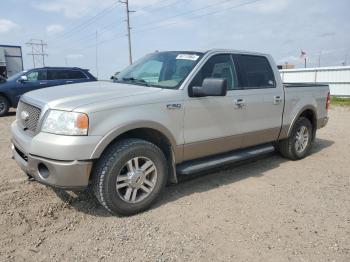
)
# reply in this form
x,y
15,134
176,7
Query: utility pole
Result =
x,y
96,54
37,51
319,59
346,60
126,2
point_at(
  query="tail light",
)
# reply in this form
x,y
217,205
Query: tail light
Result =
x,y
328,102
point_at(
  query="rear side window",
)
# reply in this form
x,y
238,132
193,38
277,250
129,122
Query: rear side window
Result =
x,y
75,74
255,72
57,74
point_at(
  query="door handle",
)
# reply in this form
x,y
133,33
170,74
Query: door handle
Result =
x,y
69,81
277,100
42,83
239,103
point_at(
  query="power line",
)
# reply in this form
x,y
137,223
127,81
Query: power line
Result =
x,y
188,12
190,18
106,28
89,21
199,16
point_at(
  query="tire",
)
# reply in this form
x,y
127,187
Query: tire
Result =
x,y
291,147
118,166
4,106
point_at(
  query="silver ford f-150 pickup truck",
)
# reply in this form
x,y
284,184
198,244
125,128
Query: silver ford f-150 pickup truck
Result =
x,y
169,113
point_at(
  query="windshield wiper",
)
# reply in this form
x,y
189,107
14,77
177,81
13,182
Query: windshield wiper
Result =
x,y
139,80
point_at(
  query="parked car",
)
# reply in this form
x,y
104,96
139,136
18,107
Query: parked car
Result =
x,y
25,81
169,113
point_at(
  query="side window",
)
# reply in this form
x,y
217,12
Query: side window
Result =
x,y
256,72
218,66
37,75
57,74
75,74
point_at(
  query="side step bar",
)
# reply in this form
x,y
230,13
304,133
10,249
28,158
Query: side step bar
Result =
x,y
196,166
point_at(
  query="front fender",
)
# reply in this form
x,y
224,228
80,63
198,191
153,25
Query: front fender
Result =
x,y
116,132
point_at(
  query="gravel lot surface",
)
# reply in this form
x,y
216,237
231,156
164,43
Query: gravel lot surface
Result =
x,y
267,210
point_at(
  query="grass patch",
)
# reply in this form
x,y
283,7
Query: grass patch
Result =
x,y
340,101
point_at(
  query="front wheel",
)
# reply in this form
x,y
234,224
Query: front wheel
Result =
x,y
130,176
4,105
298,144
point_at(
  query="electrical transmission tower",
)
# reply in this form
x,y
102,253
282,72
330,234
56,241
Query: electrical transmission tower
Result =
x,y
38,54
126,2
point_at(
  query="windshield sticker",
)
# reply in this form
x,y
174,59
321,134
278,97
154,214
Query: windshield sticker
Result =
x,y
187,57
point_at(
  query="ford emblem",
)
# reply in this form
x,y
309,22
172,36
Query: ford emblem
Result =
x,y
24,115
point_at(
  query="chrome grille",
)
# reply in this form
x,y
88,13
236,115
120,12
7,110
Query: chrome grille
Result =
x,y
28,116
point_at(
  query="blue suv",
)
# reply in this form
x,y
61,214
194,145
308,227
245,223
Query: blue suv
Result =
x,y
12,88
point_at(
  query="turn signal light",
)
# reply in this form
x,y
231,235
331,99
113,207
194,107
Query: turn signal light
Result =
x,y
82,121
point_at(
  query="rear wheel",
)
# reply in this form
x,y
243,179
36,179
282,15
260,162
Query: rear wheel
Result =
x,y
130,176
4,105
299,142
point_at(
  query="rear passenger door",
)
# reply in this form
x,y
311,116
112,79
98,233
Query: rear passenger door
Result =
x,y
75,76
56,77
261,100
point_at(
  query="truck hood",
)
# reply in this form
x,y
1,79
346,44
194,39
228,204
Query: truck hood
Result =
x,y
69,97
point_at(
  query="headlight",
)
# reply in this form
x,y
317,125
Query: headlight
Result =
x,y
66,123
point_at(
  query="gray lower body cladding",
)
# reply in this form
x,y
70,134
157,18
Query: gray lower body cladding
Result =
x,y
62,174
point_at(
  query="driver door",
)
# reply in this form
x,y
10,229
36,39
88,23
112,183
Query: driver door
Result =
x,y
211,124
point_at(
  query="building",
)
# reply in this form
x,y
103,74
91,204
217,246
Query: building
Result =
x,y
11,61
286,66
337,77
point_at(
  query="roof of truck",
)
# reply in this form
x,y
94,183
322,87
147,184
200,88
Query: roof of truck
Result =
x,y
215,50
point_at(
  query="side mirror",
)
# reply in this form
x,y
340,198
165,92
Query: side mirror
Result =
x,y
23,79
210,87
114,77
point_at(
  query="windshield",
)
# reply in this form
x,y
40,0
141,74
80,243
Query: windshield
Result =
x,y
160,69
15,76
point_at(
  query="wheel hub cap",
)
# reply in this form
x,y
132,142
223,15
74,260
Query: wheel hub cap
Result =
x,y
136,180
302,139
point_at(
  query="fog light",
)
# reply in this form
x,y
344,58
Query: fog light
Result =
x,y
43,170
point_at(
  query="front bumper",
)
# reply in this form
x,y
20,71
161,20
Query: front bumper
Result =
x,y
63,174
59,161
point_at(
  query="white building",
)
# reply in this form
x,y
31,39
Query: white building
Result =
x,y
11,61
338,77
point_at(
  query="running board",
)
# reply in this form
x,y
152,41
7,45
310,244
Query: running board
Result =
x,y
196,166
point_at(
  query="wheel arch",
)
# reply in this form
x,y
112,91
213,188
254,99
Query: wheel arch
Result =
x,y
310,113
149,131
7,97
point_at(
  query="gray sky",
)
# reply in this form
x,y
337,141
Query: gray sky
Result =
x,y
279,27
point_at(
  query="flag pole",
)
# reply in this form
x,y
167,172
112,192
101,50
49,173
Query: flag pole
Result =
x,y
305,62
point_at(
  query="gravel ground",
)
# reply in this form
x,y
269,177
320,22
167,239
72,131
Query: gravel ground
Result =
x,y
267,210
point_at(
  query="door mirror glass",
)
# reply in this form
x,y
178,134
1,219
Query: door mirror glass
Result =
x,y
210,87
